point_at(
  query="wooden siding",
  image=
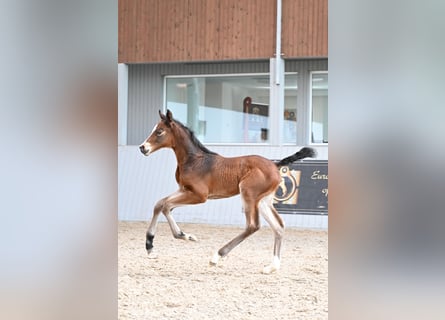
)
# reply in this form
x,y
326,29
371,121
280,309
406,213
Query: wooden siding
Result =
x,y
304,28
195,30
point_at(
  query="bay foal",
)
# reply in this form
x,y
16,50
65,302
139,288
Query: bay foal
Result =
x,y
202,174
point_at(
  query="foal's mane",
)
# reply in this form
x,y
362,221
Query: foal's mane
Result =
x,y
193,138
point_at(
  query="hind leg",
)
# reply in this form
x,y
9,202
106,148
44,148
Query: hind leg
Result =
x,y
269,213
252,225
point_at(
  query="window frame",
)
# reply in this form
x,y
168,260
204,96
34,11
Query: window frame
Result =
x,y
311,73
295,143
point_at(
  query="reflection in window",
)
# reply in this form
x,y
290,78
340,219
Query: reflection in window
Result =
x,y
214,107
319,107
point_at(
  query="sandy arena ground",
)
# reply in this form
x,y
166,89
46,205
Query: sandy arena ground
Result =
x,y
180,283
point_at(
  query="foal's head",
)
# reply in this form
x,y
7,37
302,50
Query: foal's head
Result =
x,y
161,136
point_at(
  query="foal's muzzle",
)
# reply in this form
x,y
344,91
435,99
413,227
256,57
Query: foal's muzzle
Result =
x,y
143,150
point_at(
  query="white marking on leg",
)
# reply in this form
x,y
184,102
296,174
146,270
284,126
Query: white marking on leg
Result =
x,y
215,259
266,212
153,254
191,237
273,267
153,225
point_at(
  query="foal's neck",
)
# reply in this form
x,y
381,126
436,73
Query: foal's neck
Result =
x,y
185,148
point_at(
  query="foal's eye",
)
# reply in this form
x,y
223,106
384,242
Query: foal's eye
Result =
x,y
159,132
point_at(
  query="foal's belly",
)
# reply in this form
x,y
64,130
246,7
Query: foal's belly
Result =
x,y
220,193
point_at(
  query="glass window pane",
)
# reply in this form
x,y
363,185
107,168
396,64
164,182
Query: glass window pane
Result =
x,y
290,109
227,109
319,116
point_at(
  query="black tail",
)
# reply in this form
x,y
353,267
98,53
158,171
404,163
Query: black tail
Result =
x,y
303,153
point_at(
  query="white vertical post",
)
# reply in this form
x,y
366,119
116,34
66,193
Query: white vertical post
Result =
x,y
276,104
122,71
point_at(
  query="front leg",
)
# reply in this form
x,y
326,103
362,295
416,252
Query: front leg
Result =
x,y
149,242
179,198
152,228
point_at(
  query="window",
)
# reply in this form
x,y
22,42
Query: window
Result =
x,y
231,108
319,108
222,109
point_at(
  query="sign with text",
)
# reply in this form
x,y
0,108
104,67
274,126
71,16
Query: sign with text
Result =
x,y
303,188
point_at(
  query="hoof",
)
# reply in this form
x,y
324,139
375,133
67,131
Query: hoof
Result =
x,y
270,269
191,237
273,267
186,237
152,254
215,259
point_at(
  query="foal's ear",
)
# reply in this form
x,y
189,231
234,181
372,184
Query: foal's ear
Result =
x,y
169,115
167,118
